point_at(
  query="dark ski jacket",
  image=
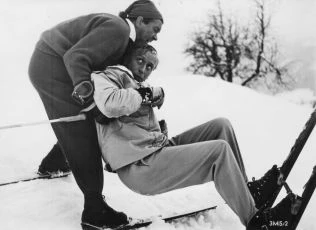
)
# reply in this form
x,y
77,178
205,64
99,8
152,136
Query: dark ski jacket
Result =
x,y
88,43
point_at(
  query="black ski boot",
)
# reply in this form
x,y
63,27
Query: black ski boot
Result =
x,y
277,218
54,163
102,217
262,189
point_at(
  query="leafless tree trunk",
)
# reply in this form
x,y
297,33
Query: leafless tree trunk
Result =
x,y
228,51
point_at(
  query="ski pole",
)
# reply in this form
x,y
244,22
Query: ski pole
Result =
x,y
78,117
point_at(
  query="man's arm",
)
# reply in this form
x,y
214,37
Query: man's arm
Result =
x,y
104,44
112,99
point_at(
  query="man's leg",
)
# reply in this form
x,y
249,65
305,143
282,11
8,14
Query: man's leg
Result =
x,y
55,161
78,140
217,129
180,166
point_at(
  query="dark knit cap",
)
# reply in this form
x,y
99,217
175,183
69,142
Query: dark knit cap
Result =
x,y
144,8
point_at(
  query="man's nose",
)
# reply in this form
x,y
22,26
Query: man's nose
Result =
x,y
155,38
141,69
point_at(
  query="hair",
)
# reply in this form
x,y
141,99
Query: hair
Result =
x,y
124,15
143,8
149,48
133,49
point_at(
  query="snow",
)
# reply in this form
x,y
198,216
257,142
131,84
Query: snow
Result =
x,y
266,126
299,96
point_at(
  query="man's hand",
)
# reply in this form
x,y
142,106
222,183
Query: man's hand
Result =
x,y
93,112
146,94
83,93
158,97
153,96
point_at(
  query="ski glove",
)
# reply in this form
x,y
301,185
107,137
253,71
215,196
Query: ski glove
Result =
x,y
93,112
153,96
158,97
146,94
83,93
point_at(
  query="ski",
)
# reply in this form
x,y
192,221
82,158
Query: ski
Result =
x,y
37,177
146,222
289,162
305,198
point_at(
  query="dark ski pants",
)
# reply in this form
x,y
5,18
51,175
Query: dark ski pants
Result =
x,y
78,140
208,152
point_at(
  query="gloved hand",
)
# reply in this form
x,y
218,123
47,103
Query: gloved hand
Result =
x,y
158,97
163,127
146,94
83,93
93,112
153,96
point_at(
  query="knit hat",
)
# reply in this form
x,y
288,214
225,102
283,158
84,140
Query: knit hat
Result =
x,y
144,8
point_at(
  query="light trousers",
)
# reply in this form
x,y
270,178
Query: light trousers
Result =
x,y
208,152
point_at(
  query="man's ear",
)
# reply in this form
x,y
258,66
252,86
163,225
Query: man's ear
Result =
x,y
139,21
155,67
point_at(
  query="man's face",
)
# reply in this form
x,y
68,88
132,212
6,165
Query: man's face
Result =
x,y
146,33
142,64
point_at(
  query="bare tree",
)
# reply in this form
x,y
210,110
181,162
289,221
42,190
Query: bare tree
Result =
x,y
229,51
216,51
260,47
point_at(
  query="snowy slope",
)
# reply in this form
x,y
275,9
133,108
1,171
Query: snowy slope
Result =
x,y
265,126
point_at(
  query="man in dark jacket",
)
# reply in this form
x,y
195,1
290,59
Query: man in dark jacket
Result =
x,y
60,69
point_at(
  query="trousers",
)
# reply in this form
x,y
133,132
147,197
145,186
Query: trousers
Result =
x,y
78,140
208,152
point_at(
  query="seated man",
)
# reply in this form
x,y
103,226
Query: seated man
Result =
x,y
149,163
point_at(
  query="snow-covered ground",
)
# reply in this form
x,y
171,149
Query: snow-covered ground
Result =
x,y
266,127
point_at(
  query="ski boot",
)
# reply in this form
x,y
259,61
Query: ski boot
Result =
x,y
95,217
262,189
55,163
279,217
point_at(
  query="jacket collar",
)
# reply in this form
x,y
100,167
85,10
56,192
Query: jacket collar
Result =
x,y
128,72
122,68
132,34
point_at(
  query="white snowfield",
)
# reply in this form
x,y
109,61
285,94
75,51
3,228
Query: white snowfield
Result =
x,y
266,127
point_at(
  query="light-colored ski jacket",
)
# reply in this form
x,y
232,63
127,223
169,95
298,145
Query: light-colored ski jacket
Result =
x,y
135,133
